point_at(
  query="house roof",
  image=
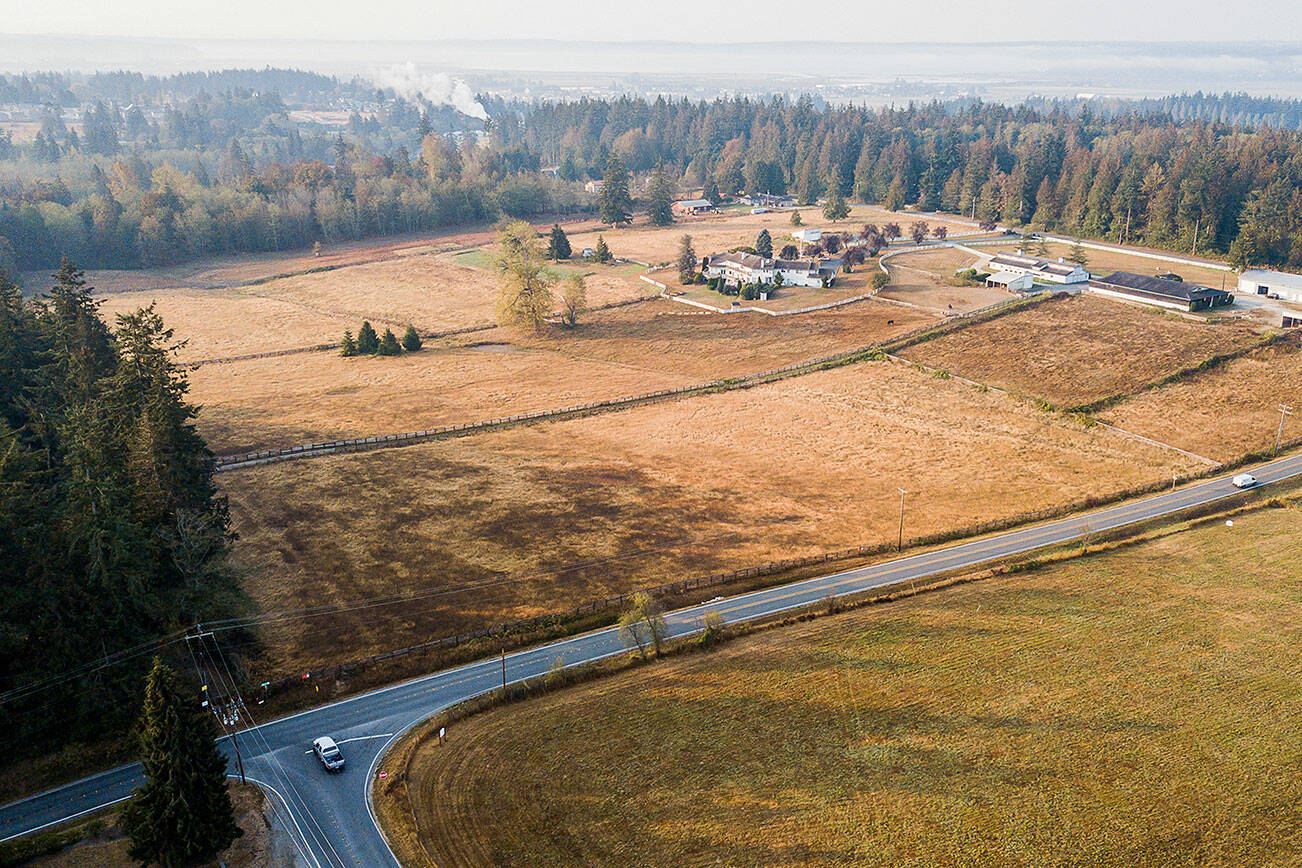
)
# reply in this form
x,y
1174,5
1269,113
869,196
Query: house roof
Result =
x,y
1159,286
1278,278
1004,277
1034,263
743,260
760,263
694,203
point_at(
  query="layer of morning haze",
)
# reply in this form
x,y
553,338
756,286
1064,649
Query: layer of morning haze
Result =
x,y
702,21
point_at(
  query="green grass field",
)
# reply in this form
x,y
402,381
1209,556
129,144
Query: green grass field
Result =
x,y
1139,707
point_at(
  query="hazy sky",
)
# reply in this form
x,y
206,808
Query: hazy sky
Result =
x,y
679,20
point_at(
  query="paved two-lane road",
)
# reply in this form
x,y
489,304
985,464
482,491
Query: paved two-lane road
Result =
x,y
329,816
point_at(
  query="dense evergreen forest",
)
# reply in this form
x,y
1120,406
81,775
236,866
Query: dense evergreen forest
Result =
x,y
112,532
198,171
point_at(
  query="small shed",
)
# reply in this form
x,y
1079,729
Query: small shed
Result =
x,y
1011,282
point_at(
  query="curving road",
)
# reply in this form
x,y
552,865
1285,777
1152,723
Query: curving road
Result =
x,y
329,816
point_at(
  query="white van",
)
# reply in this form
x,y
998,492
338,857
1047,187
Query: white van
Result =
x,y
1244,480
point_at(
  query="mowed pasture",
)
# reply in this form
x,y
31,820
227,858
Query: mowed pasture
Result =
x,y
1137,707
312,397
1076,350
926,278
525,521
1226,412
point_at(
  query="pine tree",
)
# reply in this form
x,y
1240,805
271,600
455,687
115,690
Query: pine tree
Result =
x,y
712,192
411,339
764,243
368,342
796,219
389,345
686,259
1077,255
182,813
614,202
602,252
834,208
348,347
558,245
661,206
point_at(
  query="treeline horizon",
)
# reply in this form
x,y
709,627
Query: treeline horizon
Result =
x,y
250,181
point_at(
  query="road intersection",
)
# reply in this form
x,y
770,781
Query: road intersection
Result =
x,y
330,817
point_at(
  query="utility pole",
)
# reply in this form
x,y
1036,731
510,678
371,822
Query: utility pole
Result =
x,y
1284,410
899,546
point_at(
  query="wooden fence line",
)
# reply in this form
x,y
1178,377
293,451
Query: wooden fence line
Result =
x,y
267,456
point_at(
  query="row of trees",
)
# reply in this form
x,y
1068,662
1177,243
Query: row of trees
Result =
x,y
112,530
1196,186
1139,176
369,343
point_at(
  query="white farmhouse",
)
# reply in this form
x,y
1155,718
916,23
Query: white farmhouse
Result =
x,y
737,269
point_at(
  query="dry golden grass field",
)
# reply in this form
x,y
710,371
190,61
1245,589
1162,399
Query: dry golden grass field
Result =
x,y
1075,350
1138,707
1225,412
416,279
530,520
926,278
313,397
434,293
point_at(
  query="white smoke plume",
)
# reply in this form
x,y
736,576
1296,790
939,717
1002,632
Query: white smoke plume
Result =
x,y
436,87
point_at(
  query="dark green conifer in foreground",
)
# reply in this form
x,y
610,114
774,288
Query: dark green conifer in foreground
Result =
x,y
182,814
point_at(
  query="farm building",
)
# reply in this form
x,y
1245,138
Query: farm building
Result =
x,y
689,207
808,235
1160,291
765,200
741,268
1011,282
1274,284
594,187
1041,270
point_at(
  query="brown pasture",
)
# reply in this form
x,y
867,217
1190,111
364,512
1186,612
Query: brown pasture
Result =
x,y
1080,349
530,520
620,352
1225,412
